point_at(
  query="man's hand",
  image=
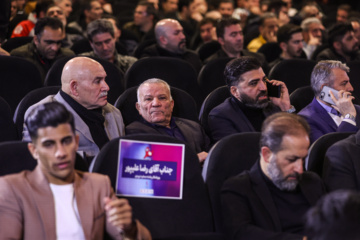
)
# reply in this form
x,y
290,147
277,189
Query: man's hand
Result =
x,y
343,104
118,213
3,52
283,102
314,40
202,156
270,36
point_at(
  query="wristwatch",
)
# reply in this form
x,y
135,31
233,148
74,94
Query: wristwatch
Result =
x,y
349,116
292,109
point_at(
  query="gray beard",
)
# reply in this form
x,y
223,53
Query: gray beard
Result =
x,y
277,177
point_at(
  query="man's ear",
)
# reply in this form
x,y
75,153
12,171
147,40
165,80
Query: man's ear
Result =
x,y
73,88
221,41
235,92
266,153
137,105
283,46
36,40
163,40
337,46
33,151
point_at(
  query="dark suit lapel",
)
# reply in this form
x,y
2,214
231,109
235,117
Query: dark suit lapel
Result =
x,y
245,120
43,201
187,134
306,186
264,195
84,200
324,115
356,160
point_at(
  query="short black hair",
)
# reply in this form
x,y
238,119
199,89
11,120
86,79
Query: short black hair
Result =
x,y
53,23
237,67
338,31
150,8
275,6
223,23
45,115
286,31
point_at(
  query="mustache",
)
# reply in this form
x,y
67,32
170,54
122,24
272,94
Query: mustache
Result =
x,y
262,93
295,175
104,93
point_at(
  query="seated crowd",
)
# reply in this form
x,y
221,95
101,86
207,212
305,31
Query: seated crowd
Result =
x,y
276,199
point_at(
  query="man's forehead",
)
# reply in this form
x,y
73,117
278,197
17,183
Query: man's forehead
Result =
x,y
47,133
149,88
252,75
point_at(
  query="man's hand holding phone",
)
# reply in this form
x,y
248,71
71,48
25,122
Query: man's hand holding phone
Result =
x,y
343,102
281,100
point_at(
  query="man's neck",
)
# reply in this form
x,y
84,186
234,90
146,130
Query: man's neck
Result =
x,y
285,55
325,103
232,54
146,27
346,56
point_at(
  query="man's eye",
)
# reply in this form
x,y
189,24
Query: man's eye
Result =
x,y
67,141
147,99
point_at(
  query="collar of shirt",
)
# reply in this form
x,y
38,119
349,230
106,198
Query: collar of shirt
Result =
x,y
337,119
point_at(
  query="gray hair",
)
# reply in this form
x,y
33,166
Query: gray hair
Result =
x,y
153,80
99,26
306,23
322,74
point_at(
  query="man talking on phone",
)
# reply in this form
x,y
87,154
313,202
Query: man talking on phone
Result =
x,y
250,102
331,110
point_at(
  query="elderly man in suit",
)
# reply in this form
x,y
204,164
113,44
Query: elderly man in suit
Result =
x,y
323,117
155,105
55,201
270,200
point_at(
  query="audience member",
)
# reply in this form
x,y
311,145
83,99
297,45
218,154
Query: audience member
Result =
x,y
313,35
290,40
56,201
334,217
65,5
171,42
206,33
270,200
45,48
268,29
342,13
189,15
226,8
323,117
155,105
84,93
145,18
280,9
249,103
343,45
102,40
309,10
168,8
355,23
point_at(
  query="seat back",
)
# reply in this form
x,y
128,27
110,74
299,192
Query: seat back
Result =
x,y
18,77
184,105
7,126
215,98
211,75
271,51
318,150
140,48
208,49
229,157
114,78
294,72
165,217
301,97
30,99
15,42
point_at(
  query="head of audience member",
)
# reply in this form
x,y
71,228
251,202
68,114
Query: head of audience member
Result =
x,y
280,9
65,5
56,12
155,3
247,81
289,37
20,4
312,29
13,10
53,141
169,6
48,37
342,39
284,144
310,10
41,7
230,36
83,79
207,30
154,102
170,35
115,24
342,13
226,8
332,74
102,38
214,15
189,9
269,25
335,216
145,15
355,23
92,10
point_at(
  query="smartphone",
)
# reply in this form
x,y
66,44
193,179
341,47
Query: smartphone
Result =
x,y
325,95
273,91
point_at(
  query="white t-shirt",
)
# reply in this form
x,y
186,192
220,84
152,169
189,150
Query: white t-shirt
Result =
x,y
68,225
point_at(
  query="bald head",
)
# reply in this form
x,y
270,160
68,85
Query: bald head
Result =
x,y
83,79
170,35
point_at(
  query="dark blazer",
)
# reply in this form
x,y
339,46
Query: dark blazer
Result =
x,y
321,123
330,54
227,118
249,211
192,131
342,164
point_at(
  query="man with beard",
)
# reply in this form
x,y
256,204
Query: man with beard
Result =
x,y
270,200
249,103
343,44
290,40
323,117
171,42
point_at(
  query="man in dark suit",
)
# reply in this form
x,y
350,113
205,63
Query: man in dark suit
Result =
x,y
249,103
155,105
324,117
270,200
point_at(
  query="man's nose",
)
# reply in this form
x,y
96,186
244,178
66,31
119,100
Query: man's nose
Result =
x,y
262,86
299,166
155,102
105,86
60,151
350,88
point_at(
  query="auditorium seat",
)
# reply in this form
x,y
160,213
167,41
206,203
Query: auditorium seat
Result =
x,y
15,42
301,97
7,126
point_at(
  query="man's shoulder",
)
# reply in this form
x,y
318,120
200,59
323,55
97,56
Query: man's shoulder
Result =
x,y
151,51
24,50
88,54
326,54
240,183
308,111
50,98
224,108
65,52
